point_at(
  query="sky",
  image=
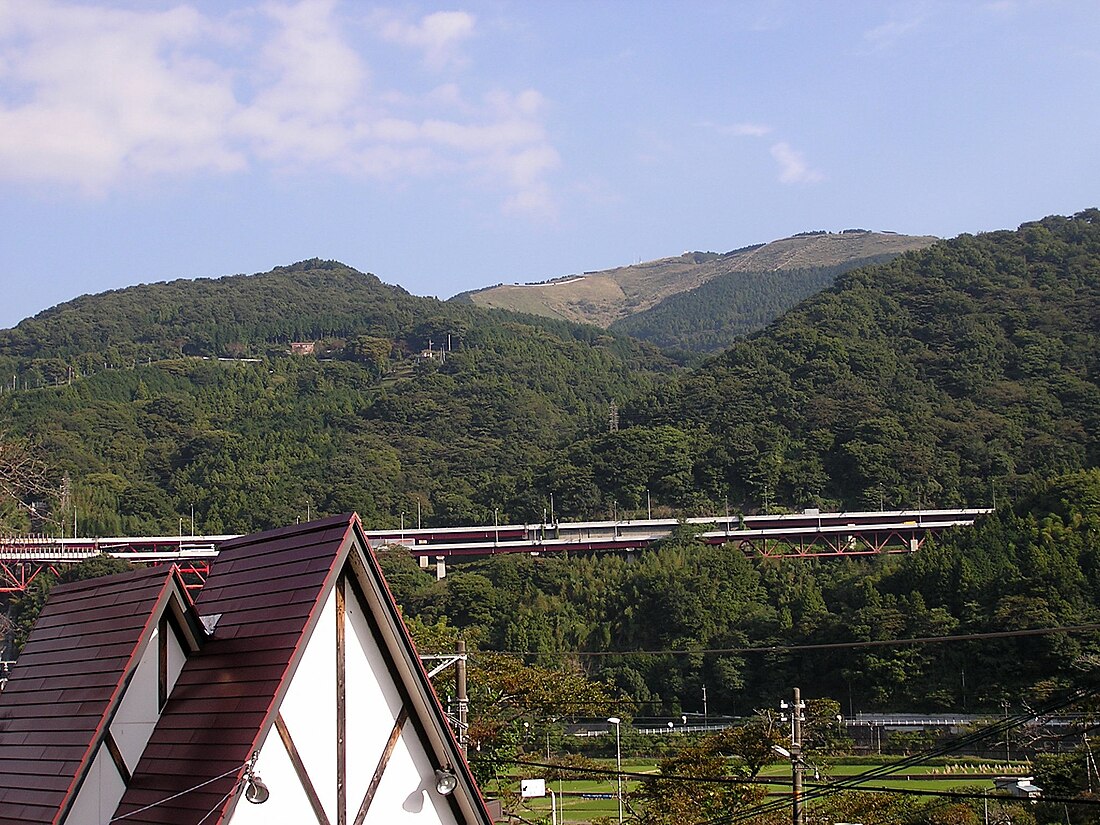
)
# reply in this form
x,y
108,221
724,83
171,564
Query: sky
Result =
x,y
450,147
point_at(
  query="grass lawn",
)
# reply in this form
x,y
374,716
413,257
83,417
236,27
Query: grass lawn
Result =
x,y
583,800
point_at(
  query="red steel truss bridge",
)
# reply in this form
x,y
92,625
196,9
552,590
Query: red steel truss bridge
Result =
x,y
801,535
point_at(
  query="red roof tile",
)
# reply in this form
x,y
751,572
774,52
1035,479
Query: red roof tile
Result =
x,y
267,589
63,690
266,592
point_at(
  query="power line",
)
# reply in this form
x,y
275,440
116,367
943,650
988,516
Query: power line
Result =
x,y
995,729
184,792
962,637
858,782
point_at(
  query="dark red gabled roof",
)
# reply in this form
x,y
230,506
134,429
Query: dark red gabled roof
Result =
x,y
265,592
67,683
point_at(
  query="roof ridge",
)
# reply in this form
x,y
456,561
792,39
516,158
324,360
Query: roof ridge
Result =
x,y
151,572
317,525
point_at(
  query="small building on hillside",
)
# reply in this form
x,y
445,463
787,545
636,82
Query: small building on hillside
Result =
x,y
303,347
287,692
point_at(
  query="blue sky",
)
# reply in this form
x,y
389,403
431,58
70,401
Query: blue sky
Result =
x,y
447,147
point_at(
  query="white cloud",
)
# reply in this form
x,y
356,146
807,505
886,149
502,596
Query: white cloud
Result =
x,y
887,34
793,167
94,98
90,94
747,130
437,35
310,84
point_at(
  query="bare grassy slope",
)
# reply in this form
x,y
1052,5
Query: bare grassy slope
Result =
x,y
604,297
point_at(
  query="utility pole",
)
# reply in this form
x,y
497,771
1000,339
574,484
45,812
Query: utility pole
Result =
x,y
795,753
458,659
460,694
615,720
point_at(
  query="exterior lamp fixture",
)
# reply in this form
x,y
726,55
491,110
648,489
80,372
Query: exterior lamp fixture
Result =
x,y
445,781
255,791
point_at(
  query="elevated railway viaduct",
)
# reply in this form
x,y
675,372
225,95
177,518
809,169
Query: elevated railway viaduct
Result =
x,y
810,534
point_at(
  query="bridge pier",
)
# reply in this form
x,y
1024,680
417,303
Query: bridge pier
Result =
x,y
440,568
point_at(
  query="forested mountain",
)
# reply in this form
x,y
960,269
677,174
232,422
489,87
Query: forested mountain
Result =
x,y
944,377
236,315
145,429
941,378
608,296
710,317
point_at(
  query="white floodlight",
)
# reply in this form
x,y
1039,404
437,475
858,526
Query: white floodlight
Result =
x,y
445,781
256,791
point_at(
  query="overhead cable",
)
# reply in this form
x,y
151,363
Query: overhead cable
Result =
x,y
855,644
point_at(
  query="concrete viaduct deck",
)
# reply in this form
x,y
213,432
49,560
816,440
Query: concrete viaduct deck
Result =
x,y
800,535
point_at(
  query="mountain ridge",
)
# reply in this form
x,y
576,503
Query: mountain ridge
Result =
x,y
603,297
921,381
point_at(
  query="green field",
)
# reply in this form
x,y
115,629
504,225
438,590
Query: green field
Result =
x,y
576,805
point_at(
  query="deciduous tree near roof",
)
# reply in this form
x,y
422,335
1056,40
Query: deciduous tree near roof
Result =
x,y
22,475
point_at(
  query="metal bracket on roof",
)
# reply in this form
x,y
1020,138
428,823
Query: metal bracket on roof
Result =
x,y
450,658
210,621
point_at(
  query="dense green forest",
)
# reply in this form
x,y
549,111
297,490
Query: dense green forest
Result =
x,y
961,374
726,621
958,375
951,376
373,424
711,317
233,316
948,376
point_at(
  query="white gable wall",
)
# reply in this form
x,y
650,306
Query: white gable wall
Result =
x,y
139,709
131,727
406,793
288,804
407,790
309,711
100,793
177,658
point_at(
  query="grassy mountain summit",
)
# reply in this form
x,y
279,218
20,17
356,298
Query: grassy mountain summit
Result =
x,y
602,298
713,316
